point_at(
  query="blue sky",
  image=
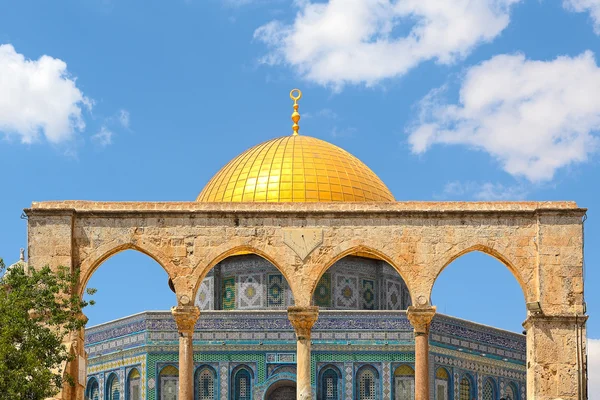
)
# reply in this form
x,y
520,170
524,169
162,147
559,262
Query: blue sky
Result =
x,y
146,100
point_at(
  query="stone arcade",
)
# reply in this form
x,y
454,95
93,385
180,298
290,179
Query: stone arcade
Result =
x,y
295,271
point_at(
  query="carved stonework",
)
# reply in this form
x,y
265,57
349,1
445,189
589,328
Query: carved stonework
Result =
x,y
303,319
185,317
420,318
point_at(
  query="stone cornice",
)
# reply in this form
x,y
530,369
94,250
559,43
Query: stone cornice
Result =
x,y
413,207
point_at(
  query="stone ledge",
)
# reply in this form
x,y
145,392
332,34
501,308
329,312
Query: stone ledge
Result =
x,y
79,206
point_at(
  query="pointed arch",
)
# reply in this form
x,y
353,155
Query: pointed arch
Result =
x,y
94,260
329,383
349,249
367,383
466,387
113,387
200,272
205,383
92,389
481,248
133,387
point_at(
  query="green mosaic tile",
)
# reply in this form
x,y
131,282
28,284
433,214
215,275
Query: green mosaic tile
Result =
x,y
229,293
356,357
153,359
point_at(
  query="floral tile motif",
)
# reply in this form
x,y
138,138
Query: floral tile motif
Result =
x,y
205,295
250,291
346,292
368,295
393,295
276,291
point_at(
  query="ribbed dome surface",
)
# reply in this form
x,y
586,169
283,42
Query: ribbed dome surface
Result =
x,y
295,169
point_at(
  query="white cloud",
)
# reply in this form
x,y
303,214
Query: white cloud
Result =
x,y
104,137
534,117
38,97
365,41
591,6
486,191
124,118
594,369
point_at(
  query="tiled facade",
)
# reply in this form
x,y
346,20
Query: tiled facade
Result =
x,y
264,343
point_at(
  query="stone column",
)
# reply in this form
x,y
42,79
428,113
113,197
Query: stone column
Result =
x,y
556,357
303,319
186,317
420,318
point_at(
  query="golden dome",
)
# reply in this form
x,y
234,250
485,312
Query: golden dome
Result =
x,y
295,168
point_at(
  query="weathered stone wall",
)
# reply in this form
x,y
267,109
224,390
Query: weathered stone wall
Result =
x,y
540,243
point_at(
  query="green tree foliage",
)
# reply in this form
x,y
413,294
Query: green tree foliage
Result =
x,y
38,308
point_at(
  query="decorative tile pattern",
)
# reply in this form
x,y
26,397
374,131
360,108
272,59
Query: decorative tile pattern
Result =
x,y
276,290
393,295
368,294
322,297
223,380
346,292
205,295
387,390
250,293
348,381
229,293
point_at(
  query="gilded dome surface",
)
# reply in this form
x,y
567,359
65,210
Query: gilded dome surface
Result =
x,y
295,168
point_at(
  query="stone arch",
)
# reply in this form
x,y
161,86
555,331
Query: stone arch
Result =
x,y
223,252
351,248
93,261
528,292
213,374
278,383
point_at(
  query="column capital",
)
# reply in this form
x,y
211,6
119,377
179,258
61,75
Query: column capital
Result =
x,y
420,318
303,319
185,317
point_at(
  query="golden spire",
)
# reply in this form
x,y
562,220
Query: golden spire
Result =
x,y
295,95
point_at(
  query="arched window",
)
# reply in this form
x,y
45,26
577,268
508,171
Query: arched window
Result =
x,y
113,388
169,383
367,383
134,390
489,390
404,383
441,384
92,392
329,384
464,389
510,393
205,384
242,385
